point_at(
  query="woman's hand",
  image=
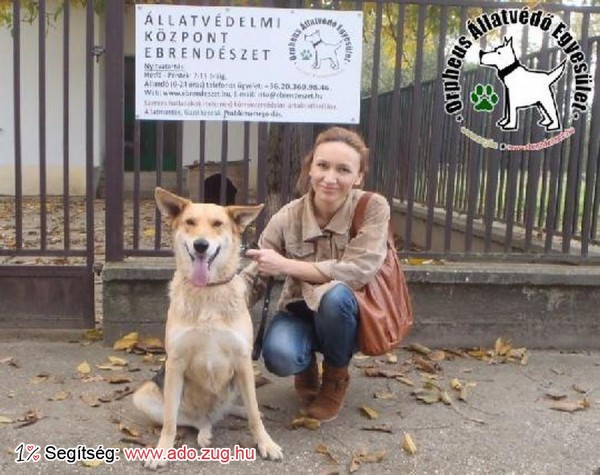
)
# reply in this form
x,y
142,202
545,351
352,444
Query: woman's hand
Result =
x,y
269,262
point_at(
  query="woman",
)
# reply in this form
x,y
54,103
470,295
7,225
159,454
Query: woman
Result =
x,y
309,242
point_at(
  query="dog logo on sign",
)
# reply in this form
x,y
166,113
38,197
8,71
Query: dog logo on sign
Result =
x,y
324,52
321,47
517,83
524,87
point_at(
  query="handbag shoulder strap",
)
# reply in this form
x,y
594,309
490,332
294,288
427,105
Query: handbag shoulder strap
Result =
x,y
359,213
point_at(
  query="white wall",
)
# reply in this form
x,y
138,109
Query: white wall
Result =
x,y
30,148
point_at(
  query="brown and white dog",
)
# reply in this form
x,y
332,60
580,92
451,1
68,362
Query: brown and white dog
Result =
x,y
209,329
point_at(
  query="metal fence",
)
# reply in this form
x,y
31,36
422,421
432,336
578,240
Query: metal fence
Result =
x,y
474,202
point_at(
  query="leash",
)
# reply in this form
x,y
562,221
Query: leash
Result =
x,y
258,341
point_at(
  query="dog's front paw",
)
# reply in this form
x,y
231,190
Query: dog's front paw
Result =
x,y
269,449
204,436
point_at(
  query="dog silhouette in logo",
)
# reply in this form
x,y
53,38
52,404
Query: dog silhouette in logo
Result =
x,y
523,87
323,50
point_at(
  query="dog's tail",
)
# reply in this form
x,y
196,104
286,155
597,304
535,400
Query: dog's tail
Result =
x,y
556,73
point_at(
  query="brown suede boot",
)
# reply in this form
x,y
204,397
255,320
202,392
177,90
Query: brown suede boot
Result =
x,y
329,401
307,383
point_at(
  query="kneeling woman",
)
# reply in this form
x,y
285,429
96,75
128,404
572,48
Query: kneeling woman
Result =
x,y
309,242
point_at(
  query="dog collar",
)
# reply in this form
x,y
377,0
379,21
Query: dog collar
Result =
x,y
220,282
507,70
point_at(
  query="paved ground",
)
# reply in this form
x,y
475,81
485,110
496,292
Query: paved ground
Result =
x,y
505,425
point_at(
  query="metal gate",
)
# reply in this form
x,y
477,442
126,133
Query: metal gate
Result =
x,y
47,235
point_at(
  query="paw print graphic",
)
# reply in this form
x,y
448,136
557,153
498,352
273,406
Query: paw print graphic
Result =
x,y
305,55
484,98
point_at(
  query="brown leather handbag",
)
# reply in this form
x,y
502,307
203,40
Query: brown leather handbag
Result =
x,y
384,303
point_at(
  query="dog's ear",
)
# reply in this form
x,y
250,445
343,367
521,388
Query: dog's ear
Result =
x,y
169,204
244,215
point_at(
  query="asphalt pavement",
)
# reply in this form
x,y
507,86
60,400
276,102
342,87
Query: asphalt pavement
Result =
x,y
500,410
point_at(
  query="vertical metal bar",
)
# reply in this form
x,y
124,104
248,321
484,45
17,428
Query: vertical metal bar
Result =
x,y
160,149
394,156
435,156
246,163
179,157
66,72
285,172
455,147
261,172
201,161
136,183
89,145
533,173
591,178
373,109
114,92
415,120
579,143
564,94
17,121
42,120
224,157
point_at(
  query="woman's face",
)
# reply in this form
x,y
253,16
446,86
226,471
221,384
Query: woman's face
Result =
x,y
334,171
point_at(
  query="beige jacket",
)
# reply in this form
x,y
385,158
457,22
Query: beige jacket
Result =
x,y
293,232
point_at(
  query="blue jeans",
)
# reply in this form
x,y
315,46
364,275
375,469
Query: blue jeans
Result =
x,y
292,337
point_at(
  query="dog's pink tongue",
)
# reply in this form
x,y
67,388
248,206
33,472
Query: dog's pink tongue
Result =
x,y
200,272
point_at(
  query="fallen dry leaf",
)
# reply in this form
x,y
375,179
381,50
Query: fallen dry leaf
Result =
x,y
424,365
306,423
405,380
455,384
383,395
416,347
369,412
502,347
408,444
91,463
391,358
445,397
126,342
556,395
60,396
10,361
128,430
366,457
116,361
95,334
30,417
437,356
464,391
40,378
381,372
84,368
118,379
5,420
149,345
90,400
324,450
570,406
379,428
428,396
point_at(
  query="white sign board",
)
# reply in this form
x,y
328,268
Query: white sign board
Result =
x,y
247,64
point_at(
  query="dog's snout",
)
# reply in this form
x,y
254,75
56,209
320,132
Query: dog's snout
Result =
x,y
201,245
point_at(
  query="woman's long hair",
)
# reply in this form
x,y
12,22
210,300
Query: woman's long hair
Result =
x,y
333,134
